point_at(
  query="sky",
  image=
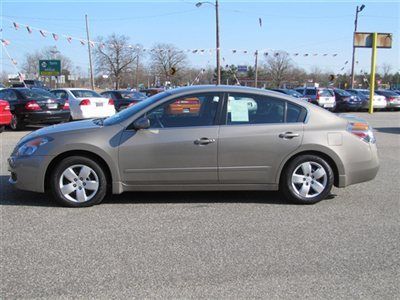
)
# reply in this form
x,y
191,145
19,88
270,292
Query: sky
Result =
x,y
315,27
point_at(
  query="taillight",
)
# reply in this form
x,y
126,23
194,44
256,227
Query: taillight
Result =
x,y
84,102
110,101
362,130
391,98
32,105
7,107
66,105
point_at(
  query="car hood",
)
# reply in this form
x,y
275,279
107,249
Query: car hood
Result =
x,y
60,129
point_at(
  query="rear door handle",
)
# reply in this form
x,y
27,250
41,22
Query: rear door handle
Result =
x,y
204,141
288,135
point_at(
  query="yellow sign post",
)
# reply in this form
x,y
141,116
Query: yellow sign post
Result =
x,y
372,78
372,40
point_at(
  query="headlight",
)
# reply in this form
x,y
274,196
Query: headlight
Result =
x,y
31,146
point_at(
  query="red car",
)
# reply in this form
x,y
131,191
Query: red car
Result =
x,y
5,114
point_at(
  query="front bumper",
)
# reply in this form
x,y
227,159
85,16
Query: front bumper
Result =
x,y
44,117
28,173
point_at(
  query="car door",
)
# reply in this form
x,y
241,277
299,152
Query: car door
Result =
x,y
180,147
259,133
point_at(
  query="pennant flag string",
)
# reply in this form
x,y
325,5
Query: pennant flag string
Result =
x,y
101,45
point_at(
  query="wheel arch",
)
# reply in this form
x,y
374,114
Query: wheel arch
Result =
x,y
88,154
337,168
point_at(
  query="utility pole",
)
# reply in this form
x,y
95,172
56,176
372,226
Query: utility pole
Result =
x,y
358,9
217,42
256,69
90,54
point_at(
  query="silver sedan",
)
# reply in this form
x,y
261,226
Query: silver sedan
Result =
x,y
199,138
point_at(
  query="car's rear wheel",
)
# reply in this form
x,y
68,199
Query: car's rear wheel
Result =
x,y
307,179
78,182
1,129
17,123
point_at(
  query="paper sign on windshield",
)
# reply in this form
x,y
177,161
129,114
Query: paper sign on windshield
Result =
x,y
239,111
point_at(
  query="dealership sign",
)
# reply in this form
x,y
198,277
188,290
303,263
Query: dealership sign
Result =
x,y
49,67
364,40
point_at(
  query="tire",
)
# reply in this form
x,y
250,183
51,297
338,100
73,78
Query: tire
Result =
x,y
295,182
1,129
16,123
80,195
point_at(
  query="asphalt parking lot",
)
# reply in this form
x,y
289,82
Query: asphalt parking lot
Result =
x,y
208,245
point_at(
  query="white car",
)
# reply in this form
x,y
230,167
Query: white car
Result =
x,y
379,101
86,104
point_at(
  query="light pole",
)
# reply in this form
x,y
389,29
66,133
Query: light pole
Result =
x,y
358,9
198,4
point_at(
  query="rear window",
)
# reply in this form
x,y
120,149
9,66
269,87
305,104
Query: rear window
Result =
x,y
388,93
133,95
310,92
325,93
85,94
36,94
295,113
342,93
294,93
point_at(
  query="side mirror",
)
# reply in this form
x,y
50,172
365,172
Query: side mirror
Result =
x,y
142,123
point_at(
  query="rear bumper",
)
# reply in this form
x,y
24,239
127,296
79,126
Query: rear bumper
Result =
x,y
42,117
363,170
350,105
5,119
91,113
393,104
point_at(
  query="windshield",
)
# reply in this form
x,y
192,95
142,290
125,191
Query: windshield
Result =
x,y
130,111
133,95
36,94
325,93
364,92
85,94
342,93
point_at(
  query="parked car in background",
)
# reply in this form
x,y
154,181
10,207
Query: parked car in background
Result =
x,y
379,101
346,101
34,106
2,86
151,91
277,142
124,98
323,97
290,92
5,114
392,98
86,104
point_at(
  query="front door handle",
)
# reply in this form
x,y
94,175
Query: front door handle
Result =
x,y
288,135
204,141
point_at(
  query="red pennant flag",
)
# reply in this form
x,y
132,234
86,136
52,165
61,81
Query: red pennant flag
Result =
x,y
29,29
55,36
16,26
91,44
69,39
5,42
14,61
82,42
43,33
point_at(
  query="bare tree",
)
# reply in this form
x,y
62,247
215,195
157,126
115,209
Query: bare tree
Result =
x,y
168,62
31,64
115,57
278,67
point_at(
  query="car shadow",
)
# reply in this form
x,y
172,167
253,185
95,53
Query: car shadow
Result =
x,y
392,130
10,196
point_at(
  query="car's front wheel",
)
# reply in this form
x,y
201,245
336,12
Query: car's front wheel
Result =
x,y
78,182
307,179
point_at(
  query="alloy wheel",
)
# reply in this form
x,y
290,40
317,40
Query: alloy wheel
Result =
x,y
79,183
309,179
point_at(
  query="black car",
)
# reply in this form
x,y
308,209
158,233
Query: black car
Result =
x,y
347,101
124,98
34,106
